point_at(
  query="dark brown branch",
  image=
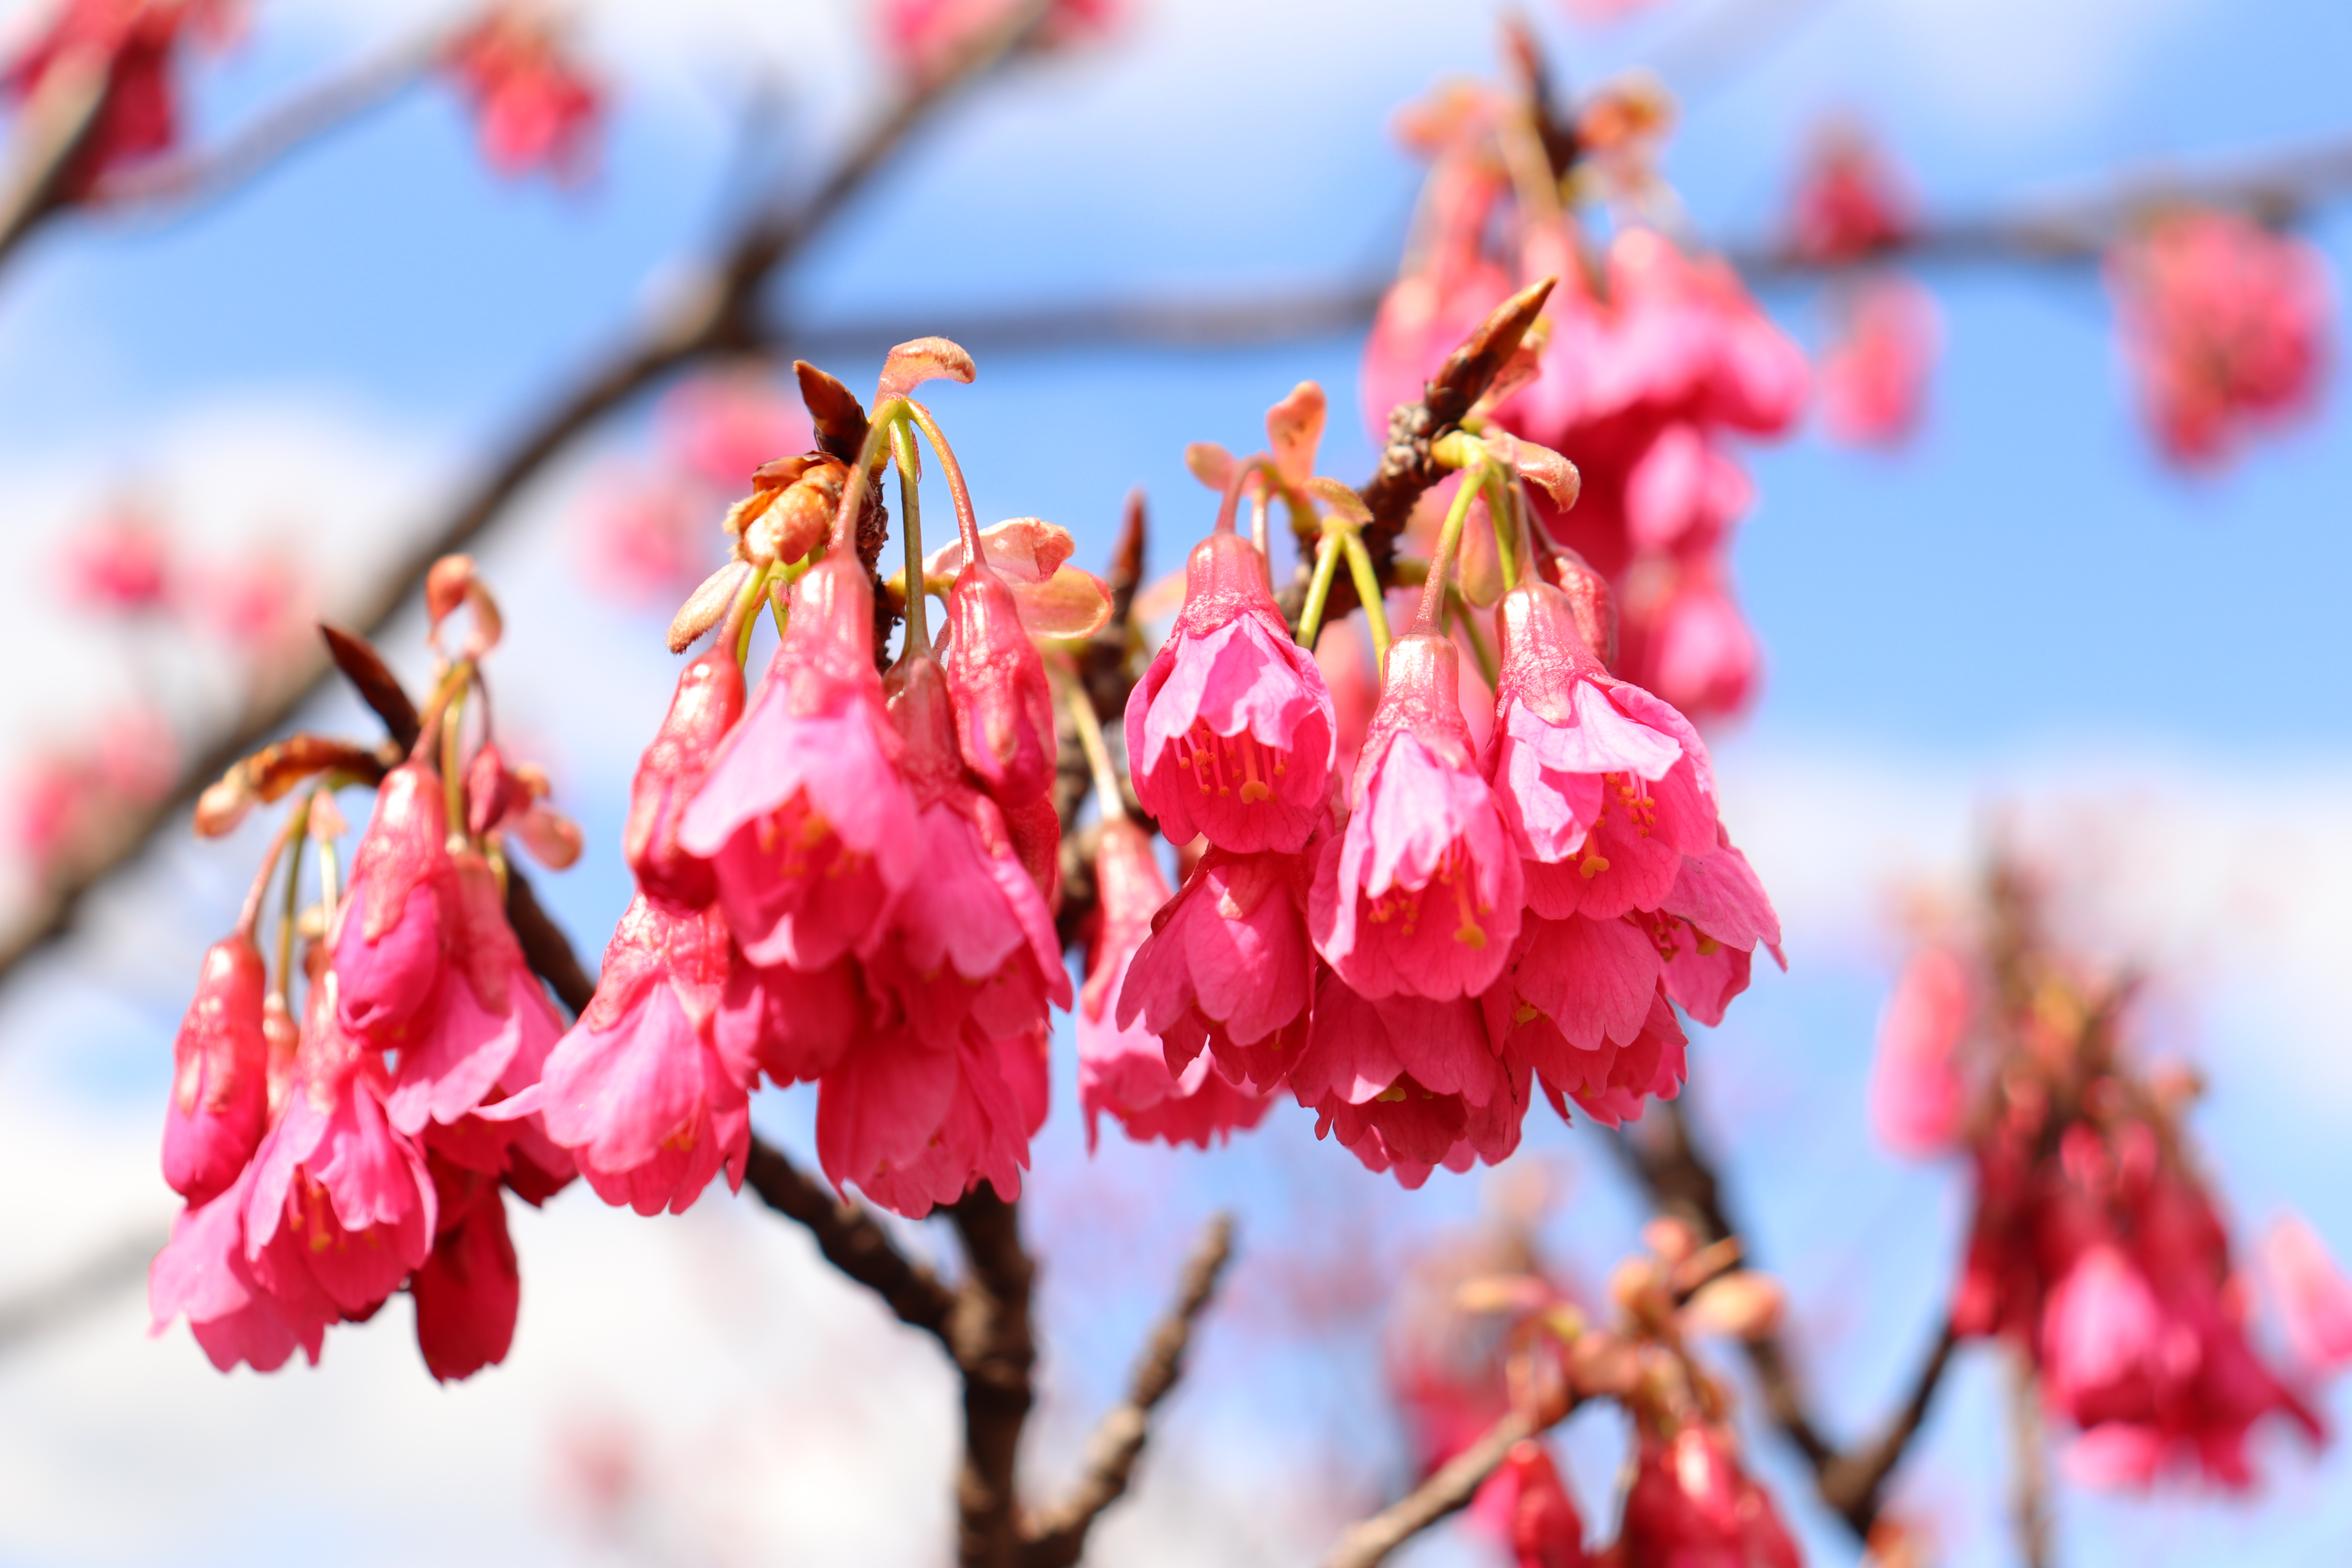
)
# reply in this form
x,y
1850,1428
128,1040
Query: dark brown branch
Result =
x,y
61,1300
1058,1539
713,323
995,1347
1449,1490
851,1240
1852,1482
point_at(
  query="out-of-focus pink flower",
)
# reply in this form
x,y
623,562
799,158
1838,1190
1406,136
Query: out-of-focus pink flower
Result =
x,y
1449,285
724,429
134,43
637,1090
1230,733
65,802
1851,202
646,542
1874,375
924,36
257,605
468,1287
805,812
708,702
1916,1098
123,564
2225,328
202,1273
1408,1084
1683,628
1691,1503
2313,1298
536,108
220,1078
1125,1070
1602,13
1540,1523
1227,970
1422,894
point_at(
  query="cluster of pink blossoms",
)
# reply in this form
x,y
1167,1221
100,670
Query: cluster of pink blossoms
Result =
x,y
1412,950
535,107
367,1148
1652,356
2095,1246
134,44
2225,327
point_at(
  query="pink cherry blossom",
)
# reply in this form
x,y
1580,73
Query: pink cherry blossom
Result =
x,y
2313,1298
922,37
804,811
2225,328
1691,1503
535,108
123,564
637,1090
1408,1084
1228,969
1613,1080
468,1287
1874,375
1916,1093
1540,1523
709,700
1124,1069
138,42
723,429
1851,202
1230,733
201,1274
1422,895
393,935
1004,708
220,1088
876,1127
644,541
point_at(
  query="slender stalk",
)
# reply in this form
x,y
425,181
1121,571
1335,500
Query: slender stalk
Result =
x,y
910,530
1319,587
863,473
1478,649
297,820
1449,540
1090,739
248,920
1367,593
736,629
966,522
2030,1497
1503,509
453,784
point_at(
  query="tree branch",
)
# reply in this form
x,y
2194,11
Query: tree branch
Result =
x,y
995,1347
713,323
1058,1539
1450,1489
1852,1482
852,1241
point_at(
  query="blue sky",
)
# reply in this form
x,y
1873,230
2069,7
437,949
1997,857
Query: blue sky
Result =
x,y
2026,606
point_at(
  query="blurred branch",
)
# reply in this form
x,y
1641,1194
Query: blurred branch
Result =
x,y
2029,1495
185,179
87,1285
1450,1489
1852,1482
994,1346
715,321
852,1240
52,133
1059,1538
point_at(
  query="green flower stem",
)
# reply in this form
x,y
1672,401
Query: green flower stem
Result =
x,y
911,531
1478,649
297,826
1108,793
453,784
1368,590
1318,588
1449,540
1503,509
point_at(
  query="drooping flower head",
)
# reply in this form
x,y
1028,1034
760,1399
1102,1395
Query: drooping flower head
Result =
x,y
536,109
1874,374
131,45
220,1089
708,701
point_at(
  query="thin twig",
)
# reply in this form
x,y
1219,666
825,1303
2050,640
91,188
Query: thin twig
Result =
x,y
1059,1538
53,133
61,1300
852,1241
713,323
187,179
2030,1485
1450,1488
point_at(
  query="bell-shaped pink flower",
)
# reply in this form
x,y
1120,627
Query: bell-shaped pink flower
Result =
x,y
805,812
1606,788
220,1075
913,1125
637,1090
1874,375
1230,733
1539,1521
1004,707
1422,897
1706,932
1917,1094
2313,1298
1408,1084
468,1289
392,935
1228,971
1125,1069
1613,1078
1691,1503
201,1274
347,1189
708,701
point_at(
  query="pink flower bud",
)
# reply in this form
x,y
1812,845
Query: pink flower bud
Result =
x,y
2314,1299
1918,1100
708,701
1004,707
220,1086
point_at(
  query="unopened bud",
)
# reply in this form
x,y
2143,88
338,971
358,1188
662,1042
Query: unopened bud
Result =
x,y
327,823
553,839
224,803
1746,1305
1590,599
707,606
446,586
1671,1239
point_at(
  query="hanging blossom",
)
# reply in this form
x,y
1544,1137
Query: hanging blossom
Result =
x,y
534,108
1651,357
2225,327
133,45
2095,1246
924,38
1851,201
368,1150
1874,373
